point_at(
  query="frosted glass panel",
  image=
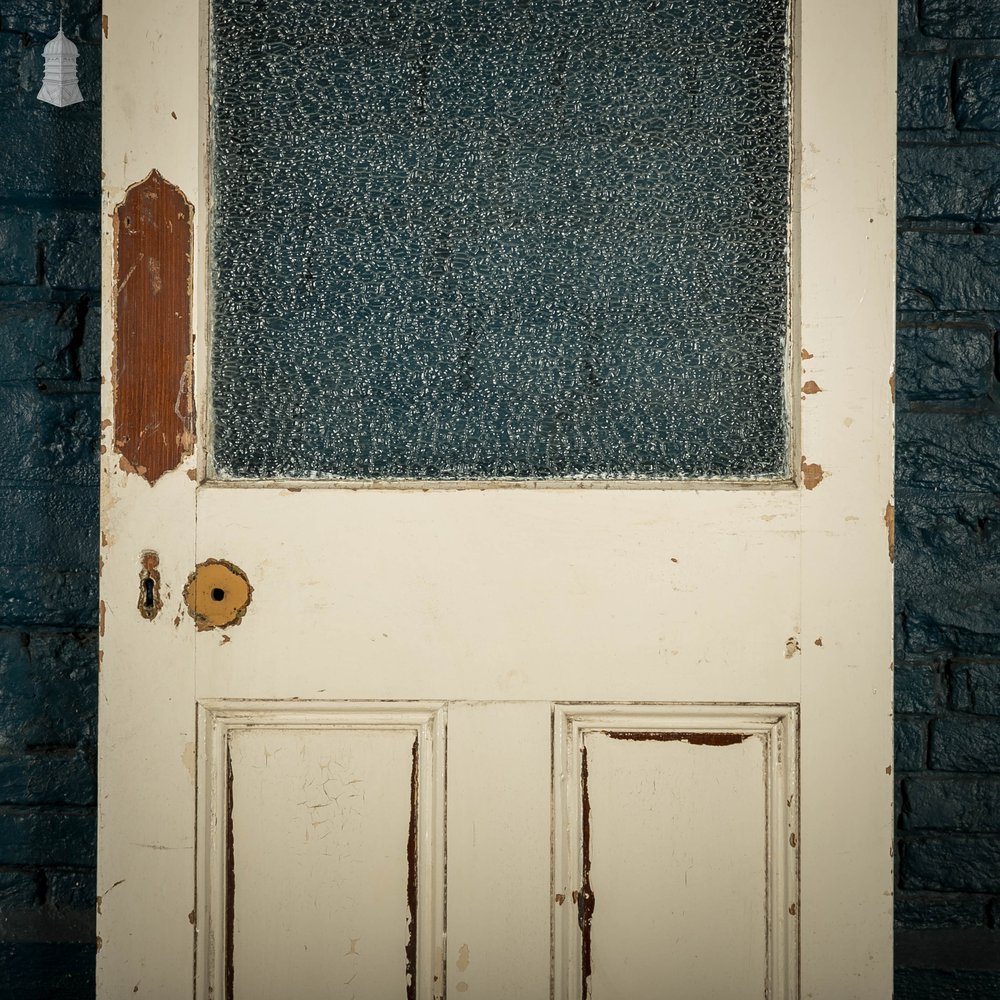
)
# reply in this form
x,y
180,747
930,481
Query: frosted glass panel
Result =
x,y
523,239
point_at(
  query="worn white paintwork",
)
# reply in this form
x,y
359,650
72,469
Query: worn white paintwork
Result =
x,y
326,787
517,614
691,850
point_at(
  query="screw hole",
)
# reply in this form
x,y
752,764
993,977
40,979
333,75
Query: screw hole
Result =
x,y
218,593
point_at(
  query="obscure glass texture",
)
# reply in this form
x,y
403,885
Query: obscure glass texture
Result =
x,y
525,239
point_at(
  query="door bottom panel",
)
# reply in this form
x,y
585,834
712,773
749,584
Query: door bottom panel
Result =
x,y
593,852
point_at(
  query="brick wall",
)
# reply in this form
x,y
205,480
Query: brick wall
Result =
x,y
948,514
49,382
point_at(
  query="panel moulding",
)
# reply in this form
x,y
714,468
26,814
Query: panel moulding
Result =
x,y
709,726
424,892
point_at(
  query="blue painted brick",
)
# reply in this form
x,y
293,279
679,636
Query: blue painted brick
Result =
x,y
970,805
921,911
947,574
955,271
944,362
72,890
48,690
19,889
911,744
37,339
81,18
946,451
49,437
18,241
945,984
90,351
50,778
33,970
960,18
17,70
918,688
923,92
72,250
65,151
54,527
949,182
977,104
49,597
951,863
969,744
907,24
975,687
49,837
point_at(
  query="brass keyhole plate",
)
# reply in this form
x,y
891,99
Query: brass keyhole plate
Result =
x,y
217,594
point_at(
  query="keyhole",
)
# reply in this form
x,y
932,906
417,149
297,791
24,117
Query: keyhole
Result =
x,y
218,593
149,599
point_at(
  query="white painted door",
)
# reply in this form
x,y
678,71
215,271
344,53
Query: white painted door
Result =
x,y
532,739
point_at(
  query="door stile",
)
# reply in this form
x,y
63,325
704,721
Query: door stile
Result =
x,y
152,121
845,646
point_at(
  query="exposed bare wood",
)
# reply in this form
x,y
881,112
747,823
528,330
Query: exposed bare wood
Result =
x,y
217,594
153,349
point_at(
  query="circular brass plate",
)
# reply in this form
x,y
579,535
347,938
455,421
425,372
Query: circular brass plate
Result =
x,y
217,594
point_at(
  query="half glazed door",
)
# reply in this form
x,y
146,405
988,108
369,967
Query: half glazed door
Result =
x,y
497,520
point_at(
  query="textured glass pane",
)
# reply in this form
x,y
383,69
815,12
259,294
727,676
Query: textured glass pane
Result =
x,y
462,240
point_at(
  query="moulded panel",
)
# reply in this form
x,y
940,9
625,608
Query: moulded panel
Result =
x,y
679,863
324,854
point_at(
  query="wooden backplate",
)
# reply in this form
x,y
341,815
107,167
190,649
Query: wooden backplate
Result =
x,y
153,352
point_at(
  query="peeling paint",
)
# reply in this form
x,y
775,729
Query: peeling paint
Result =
x,y
667,736
230,878
812,475
585,899
892,387
102,612
104,24
151,366
890,526
411,877
810,388
792,647
806,356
